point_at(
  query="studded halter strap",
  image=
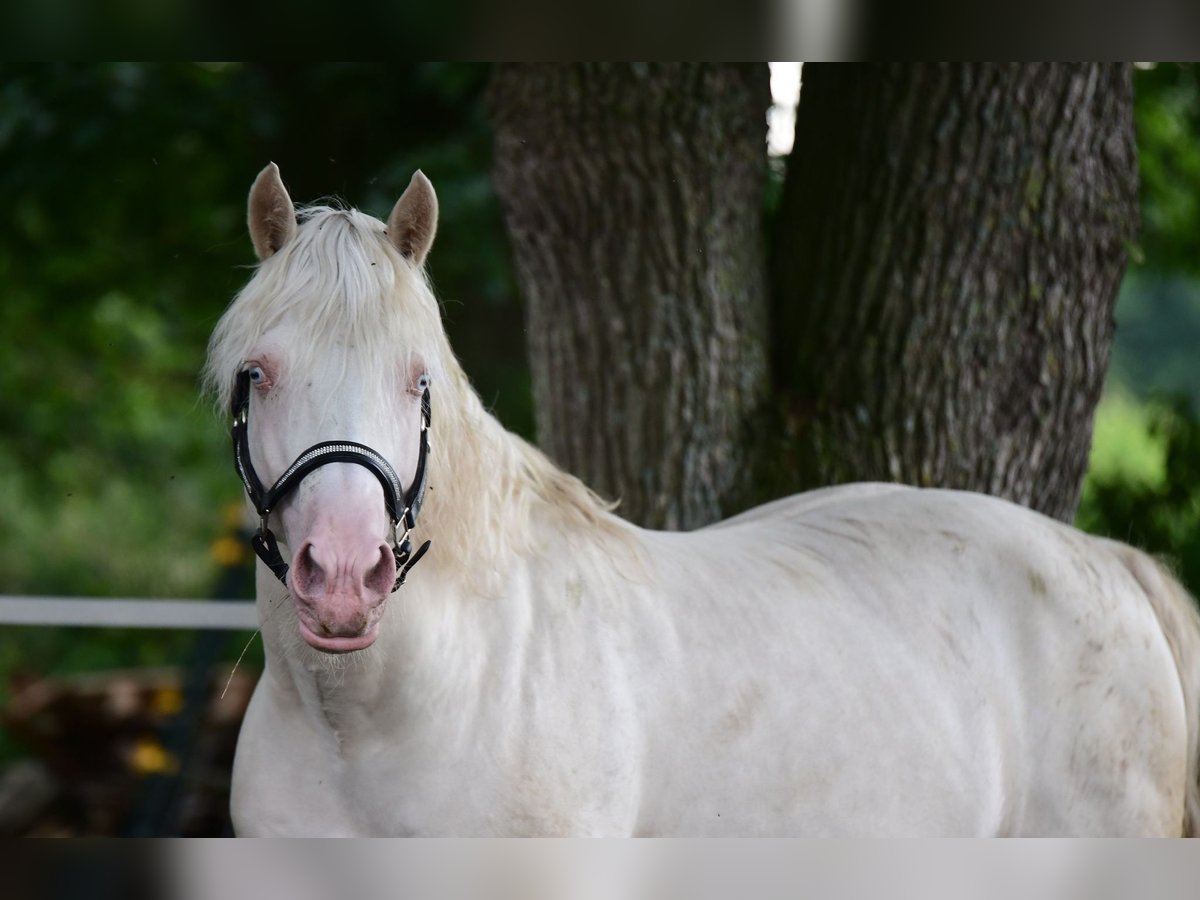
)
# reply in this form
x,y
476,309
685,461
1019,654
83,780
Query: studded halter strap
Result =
x,y
402,506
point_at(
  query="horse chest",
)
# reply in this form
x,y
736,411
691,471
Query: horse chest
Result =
x,y
446,774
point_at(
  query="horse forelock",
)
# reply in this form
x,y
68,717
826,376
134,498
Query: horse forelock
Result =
x,y
342,281
343,284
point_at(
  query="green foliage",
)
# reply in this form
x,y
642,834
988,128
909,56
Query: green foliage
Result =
x,y
1167,119
1125,446
1155,502
1143,484
1158,331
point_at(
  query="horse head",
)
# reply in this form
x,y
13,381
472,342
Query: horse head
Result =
x,y
331,397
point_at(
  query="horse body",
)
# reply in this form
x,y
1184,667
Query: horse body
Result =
x,y
939,663
864,660
948,685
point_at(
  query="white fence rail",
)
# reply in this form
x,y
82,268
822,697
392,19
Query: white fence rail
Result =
x,y
96,612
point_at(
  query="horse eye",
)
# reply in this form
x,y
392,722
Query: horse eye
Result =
x,y
423,382
257,375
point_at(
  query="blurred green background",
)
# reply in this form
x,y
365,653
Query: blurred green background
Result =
x,y
123,239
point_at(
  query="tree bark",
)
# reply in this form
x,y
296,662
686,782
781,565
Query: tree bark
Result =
x,y
632,196
946,258
950,244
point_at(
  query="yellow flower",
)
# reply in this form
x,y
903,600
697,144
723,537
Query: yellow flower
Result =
x,y
234,515
228,551
149,757
167,701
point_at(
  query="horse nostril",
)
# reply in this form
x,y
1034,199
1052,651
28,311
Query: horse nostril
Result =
x,y
380,578
320,571
308,578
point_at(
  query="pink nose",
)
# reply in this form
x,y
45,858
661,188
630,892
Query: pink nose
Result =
x,y
342,584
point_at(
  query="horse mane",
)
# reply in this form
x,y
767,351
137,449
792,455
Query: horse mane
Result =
x,y
342,279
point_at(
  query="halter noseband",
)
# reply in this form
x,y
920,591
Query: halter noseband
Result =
x,y
402,506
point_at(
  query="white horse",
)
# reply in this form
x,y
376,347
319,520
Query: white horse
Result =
x,y
862,660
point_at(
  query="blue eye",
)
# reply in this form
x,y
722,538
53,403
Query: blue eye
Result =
x,y
257,375
423,382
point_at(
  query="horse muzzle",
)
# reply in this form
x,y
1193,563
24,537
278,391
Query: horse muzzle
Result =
x,y
340,587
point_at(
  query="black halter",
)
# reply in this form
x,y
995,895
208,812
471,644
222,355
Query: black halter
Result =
x,y
402,506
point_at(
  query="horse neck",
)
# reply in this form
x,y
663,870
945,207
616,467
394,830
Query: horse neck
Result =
x,y
493,498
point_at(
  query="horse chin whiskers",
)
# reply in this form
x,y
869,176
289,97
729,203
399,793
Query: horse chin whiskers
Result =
x,y
336,665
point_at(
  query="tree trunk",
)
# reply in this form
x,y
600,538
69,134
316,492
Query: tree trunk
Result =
x,y
946,258
632,196
950,244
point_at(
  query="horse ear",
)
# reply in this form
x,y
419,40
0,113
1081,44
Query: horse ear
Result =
x,y
413,221
271,215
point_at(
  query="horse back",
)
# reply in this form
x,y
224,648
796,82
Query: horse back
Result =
x,y
971,647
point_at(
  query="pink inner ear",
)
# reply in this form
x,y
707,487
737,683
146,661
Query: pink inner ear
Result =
x,y
279,223
407,233
271,214
413,221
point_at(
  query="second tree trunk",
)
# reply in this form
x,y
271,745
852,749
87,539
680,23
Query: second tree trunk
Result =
x,y
951,242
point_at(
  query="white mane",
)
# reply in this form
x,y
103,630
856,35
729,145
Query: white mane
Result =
x,y
343,280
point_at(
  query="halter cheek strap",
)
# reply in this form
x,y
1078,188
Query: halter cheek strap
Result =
x,y
402,506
